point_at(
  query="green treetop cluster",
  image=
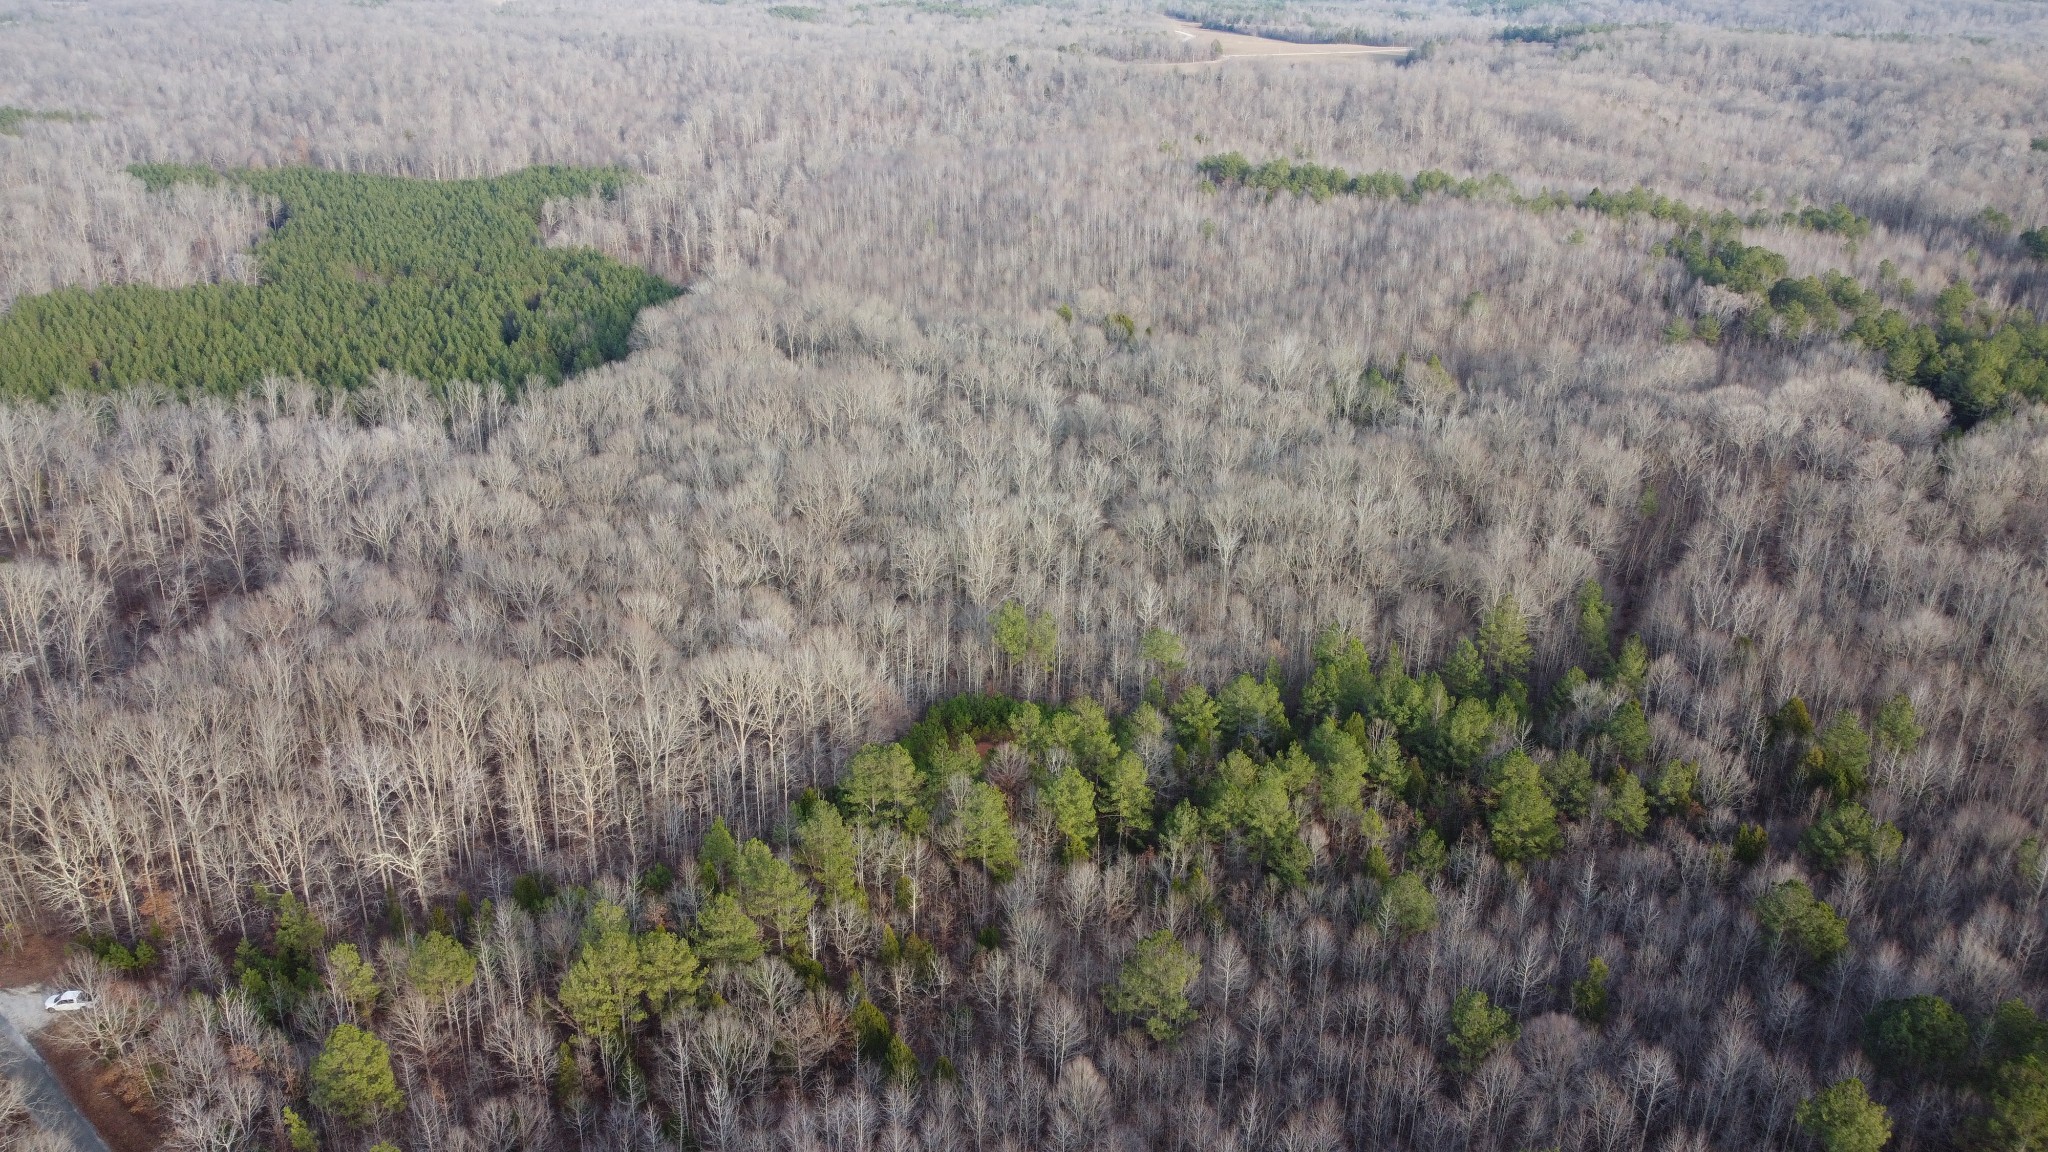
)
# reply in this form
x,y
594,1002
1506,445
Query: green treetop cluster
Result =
x,y
1231,169
1238,770
1461,752
1973,357
1921,1040
12,118
1552,34
443,280
1976,359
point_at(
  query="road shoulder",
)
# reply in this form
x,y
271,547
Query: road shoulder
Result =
x,y
49,1105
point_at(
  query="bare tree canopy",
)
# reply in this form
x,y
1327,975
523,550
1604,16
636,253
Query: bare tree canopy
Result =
x,y
1161,585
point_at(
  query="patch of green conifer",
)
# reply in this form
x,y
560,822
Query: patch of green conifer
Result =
x,y
442,280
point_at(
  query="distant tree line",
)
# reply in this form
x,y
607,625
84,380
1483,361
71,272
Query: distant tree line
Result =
x,y
12,118
1319,182
1552,34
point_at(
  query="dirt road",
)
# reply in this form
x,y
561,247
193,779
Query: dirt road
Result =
x,y
1240,47
22,1015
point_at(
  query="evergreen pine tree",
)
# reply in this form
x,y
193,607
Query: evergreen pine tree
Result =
x,y
882,786
1071,800
724,933
1504,641
1152,986
984,830
351,1080
771,891
1523,823
1343,769
1845,1119
1628,806
825,848
1125,795
1596,627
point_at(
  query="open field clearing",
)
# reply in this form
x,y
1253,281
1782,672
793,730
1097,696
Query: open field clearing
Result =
x,y
1233,46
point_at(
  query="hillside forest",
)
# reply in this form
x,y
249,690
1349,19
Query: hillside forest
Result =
x,y
869,577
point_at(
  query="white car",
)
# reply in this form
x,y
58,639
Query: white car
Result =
x,y
70,1001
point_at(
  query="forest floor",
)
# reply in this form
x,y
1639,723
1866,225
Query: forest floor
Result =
x,y
1237,46
96,1091
35,959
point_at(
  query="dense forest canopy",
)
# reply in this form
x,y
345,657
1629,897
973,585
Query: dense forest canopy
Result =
x,y
441,280
1484,597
